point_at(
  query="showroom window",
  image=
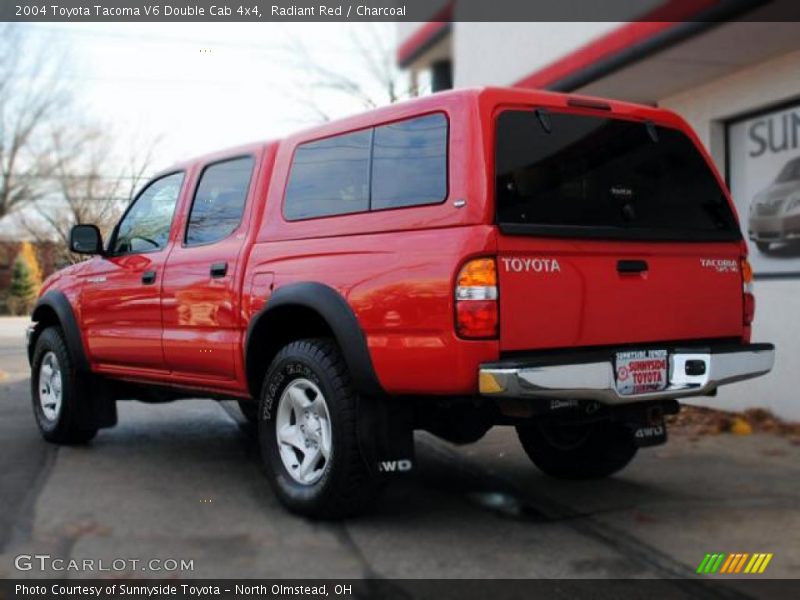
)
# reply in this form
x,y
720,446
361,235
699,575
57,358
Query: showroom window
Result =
x,y
764,178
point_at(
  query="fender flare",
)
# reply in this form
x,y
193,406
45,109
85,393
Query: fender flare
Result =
x,y
59,304
331,306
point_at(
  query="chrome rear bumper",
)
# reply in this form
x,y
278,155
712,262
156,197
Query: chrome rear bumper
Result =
x,y
591,377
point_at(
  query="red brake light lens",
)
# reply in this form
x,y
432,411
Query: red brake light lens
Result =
x,y
477,318
748,300
749,308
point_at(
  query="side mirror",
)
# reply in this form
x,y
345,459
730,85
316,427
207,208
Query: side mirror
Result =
x,y
85,239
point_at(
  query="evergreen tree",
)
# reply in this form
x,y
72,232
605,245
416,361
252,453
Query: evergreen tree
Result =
x,y
23,289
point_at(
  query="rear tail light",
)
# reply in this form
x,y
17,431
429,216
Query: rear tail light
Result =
x,y
748,300
476,299
747,289
747,276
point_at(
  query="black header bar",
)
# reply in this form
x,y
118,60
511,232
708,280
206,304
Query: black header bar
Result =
x,y
398,10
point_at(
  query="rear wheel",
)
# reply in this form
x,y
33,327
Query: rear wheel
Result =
x,y
307,432
57,390
577,451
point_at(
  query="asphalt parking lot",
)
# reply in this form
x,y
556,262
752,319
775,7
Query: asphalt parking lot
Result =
x,y
183,481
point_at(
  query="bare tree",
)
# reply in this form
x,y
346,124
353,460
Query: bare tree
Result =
x,y
30,95
89,182
371,78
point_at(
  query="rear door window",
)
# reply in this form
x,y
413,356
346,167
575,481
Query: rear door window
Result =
x,y
564,174
219,201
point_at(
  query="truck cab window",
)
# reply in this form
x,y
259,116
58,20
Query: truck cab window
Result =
x,y
145,226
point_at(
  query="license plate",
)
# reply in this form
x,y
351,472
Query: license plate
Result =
x,y
641,371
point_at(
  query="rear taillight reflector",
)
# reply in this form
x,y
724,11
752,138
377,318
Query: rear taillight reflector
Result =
x,y
477,315
476,292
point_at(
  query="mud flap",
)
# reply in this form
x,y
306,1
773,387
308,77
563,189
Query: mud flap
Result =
x,y
386,435
96,402
649,434
647,426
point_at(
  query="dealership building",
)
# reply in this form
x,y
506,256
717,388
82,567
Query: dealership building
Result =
x,y
737,83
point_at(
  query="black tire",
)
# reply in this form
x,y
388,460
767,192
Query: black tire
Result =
x,y
763,246
249,409
579,451
66,425
345,487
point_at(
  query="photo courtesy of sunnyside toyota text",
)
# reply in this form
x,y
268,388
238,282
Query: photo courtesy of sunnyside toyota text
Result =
x,y
400,299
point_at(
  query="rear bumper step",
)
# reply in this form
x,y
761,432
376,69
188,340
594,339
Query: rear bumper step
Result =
x,y
593,378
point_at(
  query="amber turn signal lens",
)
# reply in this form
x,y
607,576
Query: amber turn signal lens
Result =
x,y
478,272
747,271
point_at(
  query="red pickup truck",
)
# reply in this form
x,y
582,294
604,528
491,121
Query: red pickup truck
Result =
x,y
566,265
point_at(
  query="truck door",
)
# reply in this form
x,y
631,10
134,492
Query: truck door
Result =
x,y
120,298
201,293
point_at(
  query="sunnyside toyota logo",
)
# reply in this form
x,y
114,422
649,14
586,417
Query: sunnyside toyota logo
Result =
x,y
732,564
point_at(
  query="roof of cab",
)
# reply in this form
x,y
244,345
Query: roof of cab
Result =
x,y
483,96
217,155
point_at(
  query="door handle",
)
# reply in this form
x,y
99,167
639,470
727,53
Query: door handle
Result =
x,y
149,277
631,266
219,269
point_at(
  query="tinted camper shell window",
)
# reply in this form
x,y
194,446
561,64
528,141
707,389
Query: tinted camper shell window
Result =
x,y
389,166
572,175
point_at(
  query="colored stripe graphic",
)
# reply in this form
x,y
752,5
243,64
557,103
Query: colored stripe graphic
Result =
x,y
737,562
765,563
737,559
753,564
703,563
728,563
741,562
711,563
717,563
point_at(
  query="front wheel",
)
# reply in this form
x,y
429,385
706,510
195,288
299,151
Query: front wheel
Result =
x,y
307,432
56,392
577,450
